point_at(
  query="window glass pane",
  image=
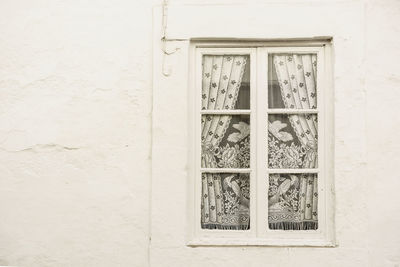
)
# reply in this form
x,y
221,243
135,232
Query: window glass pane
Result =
x,y
225,82
293,202
292,141
225,141
225,201
292,81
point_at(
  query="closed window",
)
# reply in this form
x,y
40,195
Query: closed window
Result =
x,y
262,157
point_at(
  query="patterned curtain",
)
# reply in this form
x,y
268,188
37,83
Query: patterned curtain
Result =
x,y
222,77
297,76
293,202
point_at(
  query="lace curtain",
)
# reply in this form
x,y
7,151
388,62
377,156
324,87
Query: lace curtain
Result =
x,y
293,202
297,79
293,198
221,80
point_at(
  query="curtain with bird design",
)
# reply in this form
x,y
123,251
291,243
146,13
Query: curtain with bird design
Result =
x,y
293,198
225,197
293,202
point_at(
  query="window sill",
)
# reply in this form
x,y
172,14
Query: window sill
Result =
x,y
216,242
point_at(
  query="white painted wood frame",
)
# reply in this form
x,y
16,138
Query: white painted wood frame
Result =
x,y
259,234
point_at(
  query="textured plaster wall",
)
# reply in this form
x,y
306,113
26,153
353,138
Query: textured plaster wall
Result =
x,y
366,52
75,132
76,129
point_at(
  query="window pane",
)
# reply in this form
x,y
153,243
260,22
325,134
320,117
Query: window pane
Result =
x,y
292,141
225,141
292,81
225,82
225,201
293,202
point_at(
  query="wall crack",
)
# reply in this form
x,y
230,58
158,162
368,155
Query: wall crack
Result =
x,y
42,148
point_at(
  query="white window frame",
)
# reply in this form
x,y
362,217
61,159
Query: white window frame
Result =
x,y
259,234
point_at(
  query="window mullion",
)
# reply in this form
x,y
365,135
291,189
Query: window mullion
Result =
x,y
253,141
262,148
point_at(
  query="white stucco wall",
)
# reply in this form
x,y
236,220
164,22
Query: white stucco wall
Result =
x,y
77,185
75,112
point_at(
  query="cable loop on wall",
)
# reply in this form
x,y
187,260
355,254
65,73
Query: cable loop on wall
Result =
x,y
166,72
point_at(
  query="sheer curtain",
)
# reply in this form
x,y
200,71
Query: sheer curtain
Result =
x,y
297,76
293,202
221,81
